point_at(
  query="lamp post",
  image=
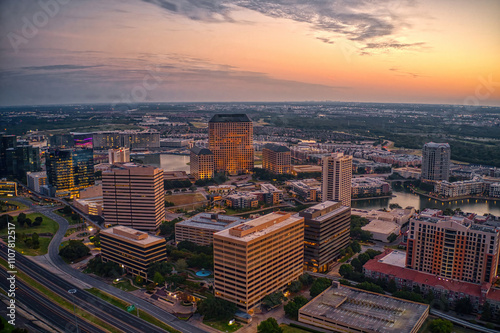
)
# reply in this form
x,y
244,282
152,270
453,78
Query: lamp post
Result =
x,y
73,292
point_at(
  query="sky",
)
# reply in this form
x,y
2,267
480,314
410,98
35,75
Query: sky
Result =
x,y
134,51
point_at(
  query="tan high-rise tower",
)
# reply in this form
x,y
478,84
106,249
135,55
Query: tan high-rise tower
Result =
x,y
230,138
133,196
337,175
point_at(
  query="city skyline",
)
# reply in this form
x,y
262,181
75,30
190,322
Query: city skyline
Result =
x,y
173,51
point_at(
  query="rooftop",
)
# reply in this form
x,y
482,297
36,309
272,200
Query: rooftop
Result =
x,y
131,235
201,151
230,118
437,145
214,222
276,148
380,226
365,310
250,230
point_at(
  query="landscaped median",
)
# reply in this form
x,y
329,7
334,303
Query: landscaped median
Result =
x,y
124,305
61,301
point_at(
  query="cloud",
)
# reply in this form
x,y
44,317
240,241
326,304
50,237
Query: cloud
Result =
x,y
365,21
57,67
406,73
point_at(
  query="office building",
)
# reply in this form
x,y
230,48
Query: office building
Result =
x,y
276,158
230,138
257,258
453,247
8,189
120,155
36,179
306,189
133,196
133,249
22,158
363,187
201,163
337,175
326,233
475,186
436,161
242,201
6,142
69,171
346,309
200,228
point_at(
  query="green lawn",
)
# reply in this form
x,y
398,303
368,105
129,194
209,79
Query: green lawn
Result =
x,y
47,226
125,285
67,217
290,329
222,326
7,327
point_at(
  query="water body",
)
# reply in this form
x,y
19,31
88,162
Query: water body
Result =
x,y
405,199
170,162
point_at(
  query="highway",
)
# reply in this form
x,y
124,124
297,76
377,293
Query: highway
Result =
x,y
57,316
132,323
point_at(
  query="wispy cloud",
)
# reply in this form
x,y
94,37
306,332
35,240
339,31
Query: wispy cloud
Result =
x,y
370,22
400,72
57,67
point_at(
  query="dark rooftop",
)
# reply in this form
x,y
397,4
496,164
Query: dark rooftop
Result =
x,y
230,118
276,148
201,151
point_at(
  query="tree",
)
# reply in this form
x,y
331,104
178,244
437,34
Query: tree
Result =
x,y
108,269
216,308
306,279
441,326
356,263
394,206
200,260
463,306
181,265
370,287
391,286
292,307
35,240
392,237
363,258
28,222
158,279
295,286
270,325
487,315
5,220
319,285
272,300
345,270
163,267
355,246
139,280
38,221
74,250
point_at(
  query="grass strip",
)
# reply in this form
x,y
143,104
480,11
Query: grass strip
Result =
x,y
123,305
61,301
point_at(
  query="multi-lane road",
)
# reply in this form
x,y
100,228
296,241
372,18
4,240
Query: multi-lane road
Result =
x,y
124,321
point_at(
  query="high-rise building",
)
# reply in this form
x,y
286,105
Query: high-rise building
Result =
x,y
337,175
21,159
133,196
257,258
201,163
453,248
120,155
276,158
230,138
326,233
436,161
133,249
69,171
6,142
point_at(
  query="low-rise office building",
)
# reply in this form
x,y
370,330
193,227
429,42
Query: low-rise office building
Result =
x,y
346,309
134,250
200,228
36,179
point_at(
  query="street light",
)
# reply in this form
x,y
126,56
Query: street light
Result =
x,y
73,292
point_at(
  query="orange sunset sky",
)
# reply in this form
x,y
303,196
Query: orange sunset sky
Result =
x,y
90,51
